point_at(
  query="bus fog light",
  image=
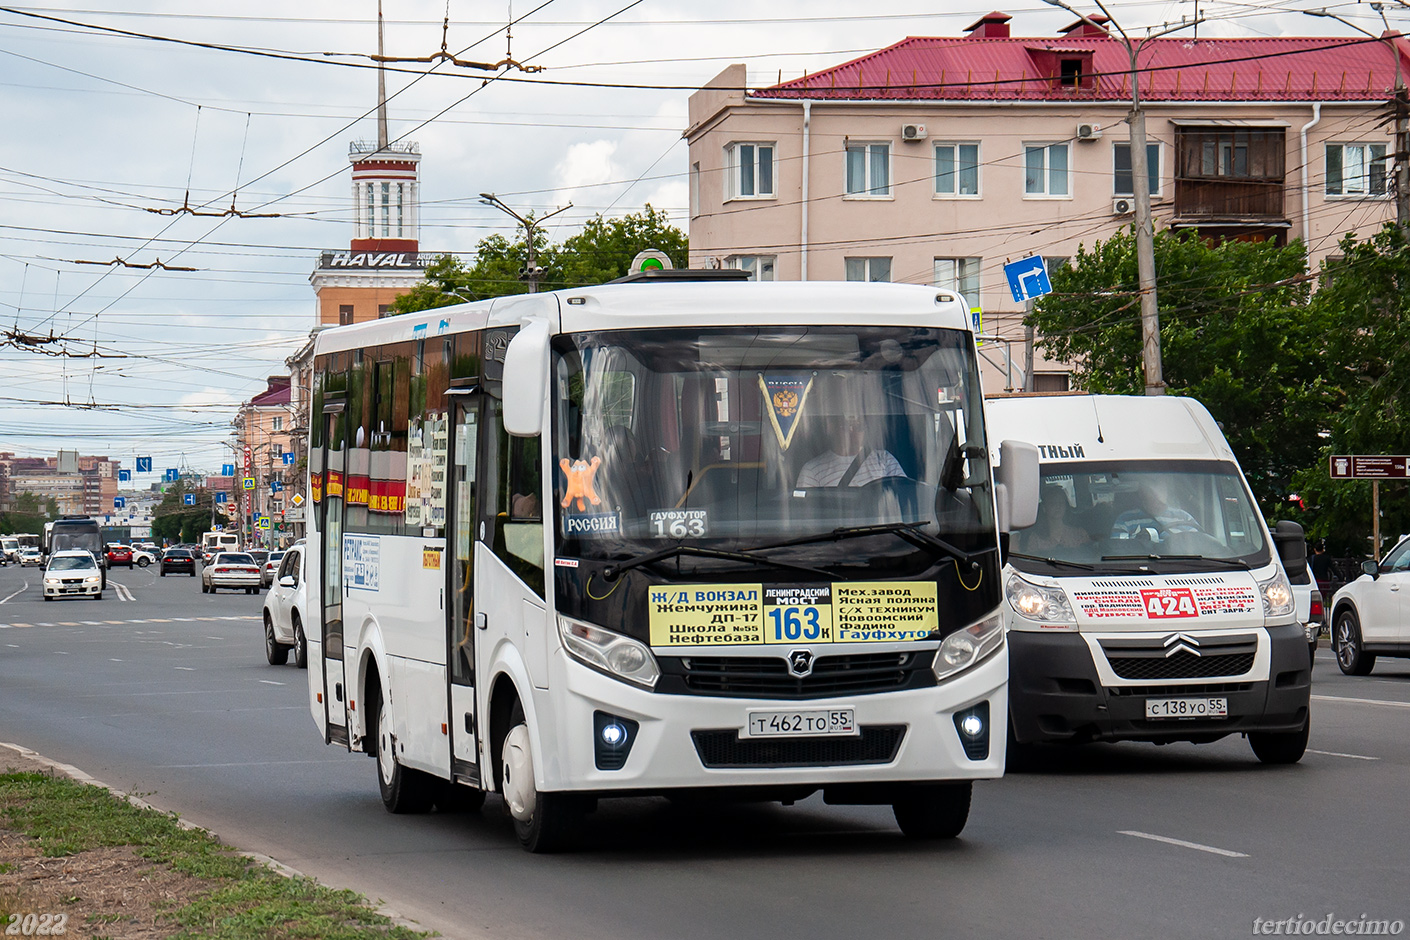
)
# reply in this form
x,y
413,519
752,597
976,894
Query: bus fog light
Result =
x,y
612,653
613,737
973,726
964,648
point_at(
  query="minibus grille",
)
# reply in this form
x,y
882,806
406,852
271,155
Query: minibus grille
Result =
x,y
876,744
1182,666
769,676
1180,656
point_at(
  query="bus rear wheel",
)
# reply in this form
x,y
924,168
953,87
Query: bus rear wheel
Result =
x,y
403,790
544,822
934,811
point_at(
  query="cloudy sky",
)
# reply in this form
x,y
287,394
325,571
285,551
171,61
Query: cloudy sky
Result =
x,y
115,118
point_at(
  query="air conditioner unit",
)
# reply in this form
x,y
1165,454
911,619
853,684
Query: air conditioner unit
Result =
x,y
913,132
1089,131
1123,205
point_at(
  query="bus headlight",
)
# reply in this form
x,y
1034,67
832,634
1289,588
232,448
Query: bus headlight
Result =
x,y
964,648
619,656
1277,595
1047,605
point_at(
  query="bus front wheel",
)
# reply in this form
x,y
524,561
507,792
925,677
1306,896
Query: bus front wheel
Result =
x,y
934,811
403,790
544,822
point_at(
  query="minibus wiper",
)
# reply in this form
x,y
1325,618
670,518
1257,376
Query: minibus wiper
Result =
x,y
1055,561
614,571
910,531
1228,562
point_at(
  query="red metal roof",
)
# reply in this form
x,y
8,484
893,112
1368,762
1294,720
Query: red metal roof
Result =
x,y
977,67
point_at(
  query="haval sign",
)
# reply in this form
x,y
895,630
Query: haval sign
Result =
x,y
372,260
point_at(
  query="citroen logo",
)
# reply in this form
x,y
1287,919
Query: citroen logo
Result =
x,y
800,663
1176,642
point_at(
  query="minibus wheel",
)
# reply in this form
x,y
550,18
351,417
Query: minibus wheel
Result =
x,y
1280,747
934,811
544,822
403,790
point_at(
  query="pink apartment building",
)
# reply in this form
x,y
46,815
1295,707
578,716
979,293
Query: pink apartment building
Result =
x,y
939,159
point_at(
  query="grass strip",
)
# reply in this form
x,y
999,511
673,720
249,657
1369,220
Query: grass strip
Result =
x,y
244,900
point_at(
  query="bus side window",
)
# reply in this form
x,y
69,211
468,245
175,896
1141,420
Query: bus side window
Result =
x,y
512,469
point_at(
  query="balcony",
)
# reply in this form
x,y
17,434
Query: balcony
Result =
x,y
1229,182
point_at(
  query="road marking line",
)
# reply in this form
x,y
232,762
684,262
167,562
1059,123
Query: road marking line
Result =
x,y
21,625
118,622
13,646
1340,754
44,625
1182,843
270,682
60,653
1361,701
64,623
20,591
91,623
111,660
185,668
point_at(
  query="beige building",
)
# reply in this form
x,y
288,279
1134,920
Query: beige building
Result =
x,y
81,486
939,160
264,429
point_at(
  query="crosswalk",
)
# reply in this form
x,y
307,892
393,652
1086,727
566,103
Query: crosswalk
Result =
x,y
118,623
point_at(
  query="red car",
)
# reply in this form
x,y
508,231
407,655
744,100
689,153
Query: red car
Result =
x,y
119,555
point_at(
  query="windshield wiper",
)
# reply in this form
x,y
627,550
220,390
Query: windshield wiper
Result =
x,y
614,571
910,531
1055,561
1228,562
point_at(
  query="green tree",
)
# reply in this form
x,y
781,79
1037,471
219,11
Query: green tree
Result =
x,y
604,249
1238,333
30,513
1364,298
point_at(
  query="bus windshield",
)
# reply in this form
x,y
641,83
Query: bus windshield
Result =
x,y
1111,516
747,438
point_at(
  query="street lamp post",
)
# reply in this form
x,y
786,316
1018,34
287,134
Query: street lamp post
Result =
x,y
531,268
1141,191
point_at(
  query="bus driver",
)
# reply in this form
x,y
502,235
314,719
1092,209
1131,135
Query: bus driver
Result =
x,y
847,461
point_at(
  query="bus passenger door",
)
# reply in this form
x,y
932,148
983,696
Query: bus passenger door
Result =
x,y
460,574
335,692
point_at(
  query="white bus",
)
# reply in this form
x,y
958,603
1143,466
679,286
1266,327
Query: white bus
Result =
x,y
663,538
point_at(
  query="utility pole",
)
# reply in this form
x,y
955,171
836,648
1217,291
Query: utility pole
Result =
x,y
1141,191
531,272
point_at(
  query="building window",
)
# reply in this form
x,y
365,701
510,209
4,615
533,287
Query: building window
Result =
x,y
956,169
278,448
760,267
1070,72
868,269
384,310
1045,170
1051,382
1356,169
276,424
694,190
751,170
1123,184
345,314
868,169
960,275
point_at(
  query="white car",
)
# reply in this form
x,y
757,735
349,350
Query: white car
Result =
x,y
235,570
1371,615
1310,613
31,557
73,574
284,608
141,557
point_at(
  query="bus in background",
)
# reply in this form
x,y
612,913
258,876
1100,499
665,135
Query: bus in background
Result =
x,y
219,541
663,537
76,532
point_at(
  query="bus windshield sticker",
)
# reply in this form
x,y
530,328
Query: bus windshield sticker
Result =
x,y
784,398
679,523
362,562
750,614
580,474
587,525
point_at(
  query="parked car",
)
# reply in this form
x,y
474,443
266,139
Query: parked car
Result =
x,y
30,557
1370,613
73,573
234,570
119,555
143,557
284,608
178,559
1307,599
270,567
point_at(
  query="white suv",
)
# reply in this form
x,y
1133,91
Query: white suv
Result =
x,y
284,608
1371,615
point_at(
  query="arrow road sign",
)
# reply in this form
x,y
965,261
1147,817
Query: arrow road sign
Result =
x,y
124,476
119,502
144,464
172,475
1028,279
227,469
190,499
221,497
288,456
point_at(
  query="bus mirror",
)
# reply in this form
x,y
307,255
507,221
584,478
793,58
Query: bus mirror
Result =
x,y
525,388
1016,485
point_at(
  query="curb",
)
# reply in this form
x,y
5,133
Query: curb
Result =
x,y
278,867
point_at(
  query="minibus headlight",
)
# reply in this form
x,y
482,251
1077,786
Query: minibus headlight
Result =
x,y
1277,595
1045,604
964,648
619,656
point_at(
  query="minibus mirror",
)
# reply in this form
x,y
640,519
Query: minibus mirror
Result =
x,y
1016,485
1291,544
525,388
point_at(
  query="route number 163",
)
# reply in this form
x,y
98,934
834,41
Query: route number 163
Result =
x,y
796,623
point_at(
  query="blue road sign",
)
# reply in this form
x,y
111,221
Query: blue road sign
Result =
x,y
227,469
119,502
172,475
221,497
144,464
1028,279
124,476
288,458
275,486
190,499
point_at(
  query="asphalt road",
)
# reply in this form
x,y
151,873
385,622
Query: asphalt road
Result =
x,y
168,694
